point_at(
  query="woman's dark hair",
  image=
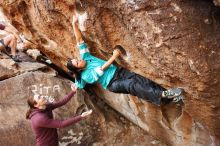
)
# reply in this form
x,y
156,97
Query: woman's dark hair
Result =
x,y
31,102
74,70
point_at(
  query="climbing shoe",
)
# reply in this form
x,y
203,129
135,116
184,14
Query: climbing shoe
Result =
x,y
178,98
171,93
16,58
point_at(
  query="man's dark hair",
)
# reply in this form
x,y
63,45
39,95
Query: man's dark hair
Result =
x,y
73,70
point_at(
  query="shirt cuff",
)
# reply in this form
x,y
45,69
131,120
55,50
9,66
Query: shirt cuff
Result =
x,y
99,71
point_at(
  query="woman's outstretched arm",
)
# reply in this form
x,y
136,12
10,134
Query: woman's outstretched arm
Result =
x,y
46,122
64,100
43,121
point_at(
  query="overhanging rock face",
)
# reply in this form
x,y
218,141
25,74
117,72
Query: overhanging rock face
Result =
x,y
217,2
174,43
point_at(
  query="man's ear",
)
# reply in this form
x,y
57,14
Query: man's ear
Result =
x,y
36,105
79,69
74,75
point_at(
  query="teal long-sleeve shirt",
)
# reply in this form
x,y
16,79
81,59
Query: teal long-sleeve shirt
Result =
x,y
93,73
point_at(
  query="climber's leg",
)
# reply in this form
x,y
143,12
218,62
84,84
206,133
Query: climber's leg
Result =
x,y
4,45
8,44
12,45
125,81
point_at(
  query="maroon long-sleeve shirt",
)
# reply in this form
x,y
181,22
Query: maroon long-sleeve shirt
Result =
x,y
44,126
2,27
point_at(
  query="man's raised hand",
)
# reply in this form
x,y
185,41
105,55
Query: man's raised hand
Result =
x,y
73,87
87,113
116,52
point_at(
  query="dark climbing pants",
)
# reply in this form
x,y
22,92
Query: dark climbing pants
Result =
x,y
128,82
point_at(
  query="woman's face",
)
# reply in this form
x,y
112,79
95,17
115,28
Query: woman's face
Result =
x,y
41,101
80,64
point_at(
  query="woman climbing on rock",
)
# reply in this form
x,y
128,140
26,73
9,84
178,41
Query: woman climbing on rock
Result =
x,y
41,116
90,70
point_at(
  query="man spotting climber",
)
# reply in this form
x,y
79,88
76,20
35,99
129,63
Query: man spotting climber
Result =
x,y
9,42
90,70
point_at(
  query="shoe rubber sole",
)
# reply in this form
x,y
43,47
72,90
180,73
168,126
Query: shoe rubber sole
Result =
x,y
178,98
